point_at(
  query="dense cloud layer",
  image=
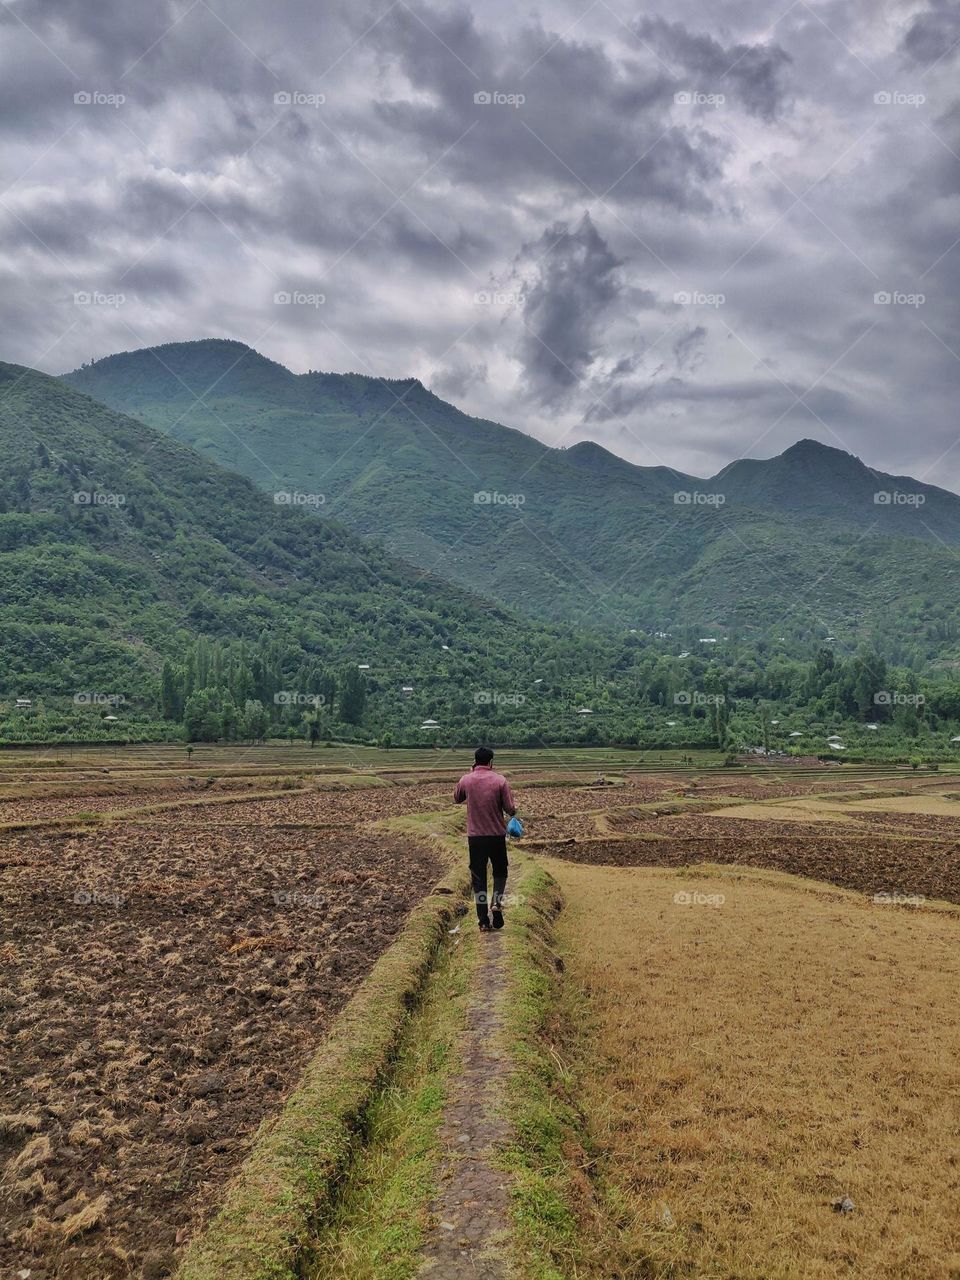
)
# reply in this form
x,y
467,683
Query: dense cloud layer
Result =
x,y
665,233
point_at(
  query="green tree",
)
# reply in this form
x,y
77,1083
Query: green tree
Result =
x,y
229,719
254,722
353,696
171,705
201,718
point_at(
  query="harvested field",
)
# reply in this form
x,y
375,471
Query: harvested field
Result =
x,y
583,826
314,807
868,864
544,802
161,989
754,1052
920,826
642,788
841,808
775,786
877,844
938,806
781,813
119,798
166,973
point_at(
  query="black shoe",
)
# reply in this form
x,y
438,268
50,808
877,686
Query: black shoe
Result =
x,y
497,918
484,925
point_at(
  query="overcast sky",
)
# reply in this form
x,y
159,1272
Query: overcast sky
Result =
x,y
663,230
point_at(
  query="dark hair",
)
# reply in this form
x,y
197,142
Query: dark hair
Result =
x,y
482,755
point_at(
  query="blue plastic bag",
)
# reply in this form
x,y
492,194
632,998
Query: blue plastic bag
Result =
x,y
515,827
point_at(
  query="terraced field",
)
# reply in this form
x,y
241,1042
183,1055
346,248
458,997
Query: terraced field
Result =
x,y
178,935
890,832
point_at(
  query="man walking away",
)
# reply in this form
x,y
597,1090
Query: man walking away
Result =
x,y
488,797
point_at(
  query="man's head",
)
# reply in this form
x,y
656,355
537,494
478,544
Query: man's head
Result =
x,y
482,755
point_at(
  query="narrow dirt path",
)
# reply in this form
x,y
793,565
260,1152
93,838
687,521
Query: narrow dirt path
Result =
x,y
468,1239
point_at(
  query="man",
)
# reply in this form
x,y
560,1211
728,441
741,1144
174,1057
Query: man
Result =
x,y
488,797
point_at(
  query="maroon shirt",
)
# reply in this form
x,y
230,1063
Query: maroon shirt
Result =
x,y
487,795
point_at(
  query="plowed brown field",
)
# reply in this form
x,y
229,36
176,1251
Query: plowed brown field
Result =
x,y
162,985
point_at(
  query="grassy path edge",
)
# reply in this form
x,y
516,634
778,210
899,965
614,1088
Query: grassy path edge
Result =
x,y
553,1199
384,1202
289,1179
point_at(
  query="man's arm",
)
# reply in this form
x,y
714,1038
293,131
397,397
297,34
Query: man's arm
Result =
x,y
460,794
506,799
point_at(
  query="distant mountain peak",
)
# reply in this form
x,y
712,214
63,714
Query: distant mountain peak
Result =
x,y
181,370
808,448
590,456
805,461
588,449
175,350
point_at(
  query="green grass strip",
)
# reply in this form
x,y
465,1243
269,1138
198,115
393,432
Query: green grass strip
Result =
x,y
379,1227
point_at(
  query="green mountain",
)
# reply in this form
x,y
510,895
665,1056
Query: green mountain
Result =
x,y
122,549
140,579
808,544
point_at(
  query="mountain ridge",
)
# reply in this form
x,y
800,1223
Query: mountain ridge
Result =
x,y
576,535
801,449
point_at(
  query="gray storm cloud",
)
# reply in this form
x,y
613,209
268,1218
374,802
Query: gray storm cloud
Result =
x,y
754,73
679,223
573,286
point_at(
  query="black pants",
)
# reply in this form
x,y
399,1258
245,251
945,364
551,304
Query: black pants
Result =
x,y
482,850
